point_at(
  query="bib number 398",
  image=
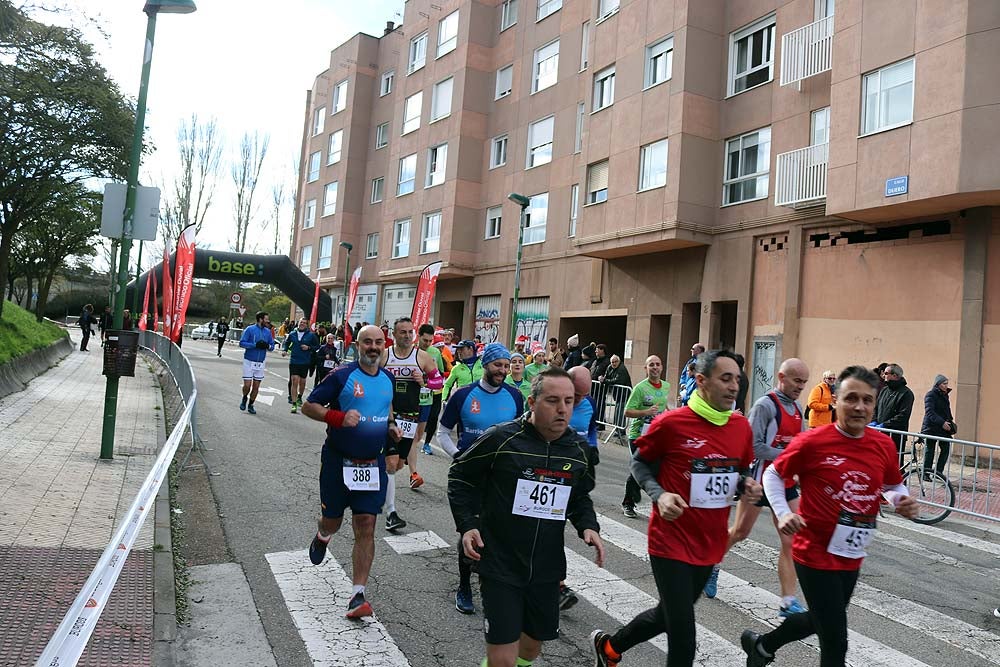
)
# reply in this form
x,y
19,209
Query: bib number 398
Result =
x,y
852,535
713,482
540,500
361,475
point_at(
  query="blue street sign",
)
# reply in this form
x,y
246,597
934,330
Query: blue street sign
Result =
x,y
897,186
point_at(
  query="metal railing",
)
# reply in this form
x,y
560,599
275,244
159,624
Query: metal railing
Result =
x,y
971,468
611,400
180,369
801,175
807,51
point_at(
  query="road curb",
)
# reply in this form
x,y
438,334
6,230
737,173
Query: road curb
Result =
x,y
18,372
164,601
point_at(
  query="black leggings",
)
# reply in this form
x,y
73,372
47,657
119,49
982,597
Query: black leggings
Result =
x,y
432,419
828,592
679,585
633,494
221,342
464,567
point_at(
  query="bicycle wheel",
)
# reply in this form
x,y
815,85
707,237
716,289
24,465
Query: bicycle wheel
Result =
x,y
930,487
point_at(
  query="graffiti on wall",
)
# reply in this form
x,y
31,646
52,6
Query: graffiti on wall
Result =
x,y
762,378
533,319
488,318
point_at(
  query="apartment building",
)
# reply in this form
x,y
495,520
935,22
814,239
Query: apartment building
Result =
x,y
784,177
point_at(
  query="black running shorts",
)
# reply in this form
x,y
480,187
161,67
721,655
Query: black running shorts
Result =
x,y
509,610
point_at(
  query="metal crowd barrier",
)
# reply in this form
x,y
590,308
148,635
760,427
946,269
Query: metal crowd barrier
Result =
x,y
611,400
180,368
972,469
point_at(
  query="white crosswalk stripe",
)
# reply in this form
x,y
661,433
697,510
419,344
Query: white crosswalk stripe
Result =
x,y
947,535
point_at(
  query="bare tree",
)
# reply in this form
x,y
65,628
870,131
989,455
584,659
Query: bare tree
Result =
x,y
199,146
278,199
246,175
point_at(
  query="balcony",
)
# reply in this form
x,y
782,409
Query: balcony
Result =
x,y
801,176
807,51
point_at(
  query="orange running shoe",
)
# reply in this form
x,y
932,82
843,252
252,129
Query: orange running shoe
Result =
x,y
416,481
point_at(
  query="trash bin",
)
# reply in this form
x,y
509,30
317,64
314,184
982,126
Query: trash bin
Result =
x,y
120,349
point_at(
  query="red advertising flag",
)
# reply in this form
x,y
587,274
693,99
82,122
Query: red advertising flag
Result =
x,y
168,292
145,302
156,319
424,299
312,315
183,281
352,295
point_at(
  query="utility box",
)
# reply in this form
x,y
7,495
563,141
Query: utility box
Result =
x,y
120,349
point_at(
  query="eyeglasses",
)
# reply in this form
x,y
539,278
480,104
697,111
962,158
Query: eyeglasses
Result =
x,y
830,377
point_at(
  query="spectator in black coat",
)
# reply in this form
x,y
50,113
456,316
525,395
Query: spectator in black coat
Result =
x,y
938,421
894,405
741,396
601,362
618,386
87,321
574,356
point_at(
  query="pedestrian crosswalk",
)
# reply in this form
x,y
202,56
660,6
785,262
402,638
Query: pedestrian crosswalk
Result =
x,y
316,598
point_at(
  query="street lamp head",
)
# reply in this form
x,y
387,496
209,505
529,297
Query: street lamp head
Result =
x,y
520,200
347,245
169,7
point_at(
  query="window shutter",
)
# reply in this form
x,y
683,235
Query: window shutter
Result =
x,y
598,177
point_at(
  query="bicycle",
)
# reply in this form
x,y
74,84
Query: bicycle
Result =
x,y
932,490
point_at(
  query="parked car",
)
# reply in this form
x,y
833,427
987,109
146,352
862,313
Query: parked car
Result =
x,y
201,331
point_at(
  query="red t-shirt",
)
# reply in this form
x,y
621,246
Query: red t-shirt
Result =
x,y
682,442
836,474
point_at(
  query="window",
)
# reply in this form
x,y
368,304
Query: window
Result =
x,y
411,112
494,217
540,142
498,151
381,136
430,233
407,174
548,7
535,217
607,8
824,8
309,215
505,82
330,198
585,46
508,14
441,99
325,252
747,161
437,161
385,87
318,117
653,165
418,53
339,97
574,207
314,166
751,56
447,34
401,239
378,185
819,126
305,258
604,88
578,137
546,66
888,97
334,146
597,182
659,62
371,246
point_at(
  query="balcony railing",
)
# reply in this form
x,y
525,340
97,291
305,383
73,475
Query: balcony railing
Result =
x,y
801,176
807,51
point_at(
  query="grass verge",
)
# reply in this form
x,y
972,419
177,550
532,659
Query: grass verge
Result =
x,y
20,333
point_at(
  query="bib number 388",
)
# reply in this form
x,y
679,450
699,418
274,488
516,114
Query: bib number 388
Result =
x,y
539,500
713,482
361,475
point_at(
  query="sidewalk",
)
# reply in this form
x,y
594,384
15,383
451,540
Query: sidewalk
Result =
x,y
60,505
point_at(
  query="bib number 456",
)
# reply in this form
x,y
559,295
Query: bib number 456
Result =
x,y
718,485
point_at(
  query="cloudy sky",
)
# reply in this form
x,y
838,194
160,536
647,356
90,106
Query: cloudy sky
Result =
x,y
248,63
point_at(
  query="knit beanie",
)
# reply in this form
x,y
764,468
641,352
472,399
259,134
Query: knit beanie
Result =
x,y
495,351
938,379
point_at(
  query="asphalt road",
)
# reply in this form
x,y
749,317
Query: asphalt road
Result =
x,y
926,598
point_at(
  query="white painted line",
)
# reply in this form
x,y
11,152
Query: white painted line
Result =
x,y
271,390
412,543
946,535
316,597
266,400
622,601
933,556
761,604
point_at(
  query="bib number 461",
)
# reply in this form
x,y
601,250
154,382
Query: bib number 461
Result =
x,y
542,495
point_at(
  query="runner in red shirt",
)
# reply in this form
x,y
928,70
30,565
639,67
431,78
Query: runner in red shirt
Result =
x,y
691,462
843,469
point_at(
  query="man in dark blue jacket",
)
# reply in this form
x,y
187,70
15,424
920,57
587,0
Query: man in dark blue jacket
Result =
x,y
938,421
302,343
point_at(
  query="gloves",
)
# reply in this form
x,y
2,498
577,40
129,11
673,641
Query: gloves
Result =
x,y
261,345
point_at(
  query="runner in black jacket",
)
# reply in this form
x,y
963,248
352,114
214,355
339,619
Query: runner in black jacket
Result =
x,y
510,495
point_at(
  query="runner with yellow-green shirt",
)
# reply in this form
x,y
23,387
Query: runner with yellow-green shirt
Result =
x,y
647,400
517,376
467,369
428,395
539,362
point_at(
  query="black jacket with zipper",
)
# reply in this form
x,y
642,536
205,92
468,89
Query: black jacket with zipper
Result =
x,y
482,481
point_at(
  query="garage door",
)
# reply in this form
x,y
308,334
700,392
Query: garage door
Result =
x,y
397,301
488,318
533,319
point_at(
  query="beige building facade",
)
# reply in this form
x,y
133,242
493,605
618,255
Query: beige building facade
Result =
x,y
784,177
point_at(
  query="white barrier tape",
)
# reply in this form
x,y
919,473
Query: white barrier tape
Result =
x,y
70,639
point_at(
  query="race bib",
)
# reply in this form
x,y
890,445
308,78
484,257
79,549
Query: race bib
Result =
x,y
256,365
329,363
713,482
646,422
426,396
407,427
361,475
852,535
539,500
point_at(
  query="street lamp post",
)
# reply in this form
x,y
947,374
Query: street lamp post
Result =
x,y
151,8
523,202
347,279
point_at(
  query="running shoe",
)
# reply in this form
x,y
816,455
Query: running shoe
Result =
x,y
426,449
793,607
463,600
358,606
290,401
749,640
629,511
394,522
416,481
567,597
295,408
996,612
251,409
243,403
602,649
317,550
712,585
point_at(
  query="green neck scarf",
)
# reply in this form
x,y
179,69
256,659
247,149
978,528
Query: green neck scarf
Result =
x,y
701,408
